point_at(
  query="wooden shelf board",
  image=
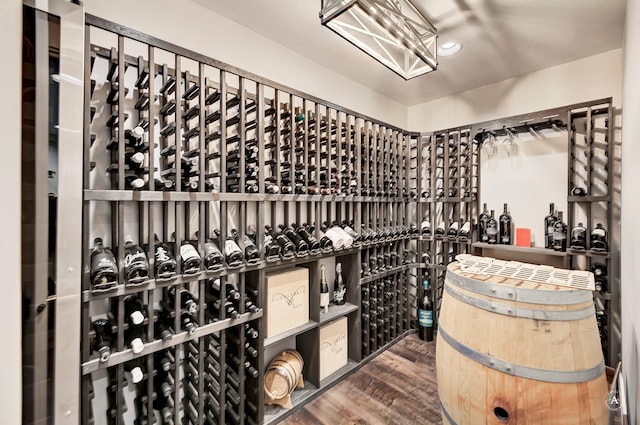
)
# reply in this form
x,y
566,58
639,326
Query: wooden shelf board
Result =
x,y
519,249
274,413
291,332
336,311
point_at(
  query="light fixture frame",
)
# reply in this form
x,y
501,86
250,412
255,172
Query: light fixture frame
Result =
x,y
401,29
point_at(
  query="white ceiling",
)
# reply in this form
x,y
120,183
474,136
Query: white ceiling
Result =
x,y
500,38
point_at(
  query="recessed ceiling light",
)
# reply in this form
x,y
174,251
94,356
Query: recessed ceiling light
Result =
x,y
449,48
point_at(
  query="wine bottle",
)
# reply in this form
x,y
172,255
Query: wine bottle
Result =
x,y
136,371
188,323
339,287
483,221
187,301
231,293
251,253
104,270
348,228
163,327
505,227
492,229
560,234
549,221
425,312
271,248
425,228
464,232
302,249
599,239
101,341
426,258
325,241
218,305
579,238
136,265
452,233
324,290
601,283
134,314
190,258
287,248
599,269
165,262
232,253
213,258
312,242
578,191
440,232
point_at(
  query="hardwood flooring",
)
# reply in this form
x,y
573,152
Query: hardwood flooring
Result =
x,y
397,387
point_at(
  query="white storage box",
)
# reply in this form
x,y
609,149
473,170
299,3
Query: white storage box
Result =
x,y
334,338
287,303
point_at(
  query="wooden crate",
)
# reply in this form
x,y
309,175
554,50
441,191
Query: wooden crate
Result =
x,y
334,339
287,303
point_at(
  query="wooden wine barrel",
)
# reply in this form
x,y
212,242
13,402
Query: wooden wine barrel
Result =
x,y
283,375
511,351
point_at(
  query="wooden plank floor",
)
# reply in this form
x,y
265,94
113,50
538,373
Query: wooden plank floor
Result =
x,y
397,387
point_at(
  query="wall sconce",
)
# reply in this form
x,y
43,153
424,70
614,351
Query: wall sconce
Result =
x,y
393,32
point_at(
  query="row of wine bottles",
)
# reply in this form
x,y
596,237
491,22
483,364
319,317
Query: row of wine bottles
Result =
x,y
493,231
556,234
238,250
455,232
222,301
383,311
381,259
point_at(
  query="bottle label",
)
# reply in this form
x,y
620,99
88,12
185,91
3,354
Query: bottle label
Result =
x,y
324,299
338,295
550,230
134,257
559,235
598,232
506,239
230,246
425,318
187,251
161,254
103,261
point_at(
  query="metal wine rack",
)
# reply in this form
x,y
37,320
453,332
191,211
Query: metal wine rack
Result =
x,y
219,148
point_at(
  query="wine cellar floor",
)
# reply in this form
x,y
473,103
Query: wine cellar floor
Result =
x,y
397,387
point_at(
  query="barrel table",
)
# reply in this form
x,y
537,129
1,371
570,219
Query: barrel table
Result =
x,y
512,351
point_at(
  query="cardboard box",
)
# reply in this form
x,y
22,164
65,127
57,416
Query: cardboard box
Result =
x,y
287,302
334,342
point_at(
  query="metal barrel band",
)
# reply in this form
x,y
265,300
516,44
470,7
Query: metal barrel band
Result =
x,y
526,313
447,414
543,375
532,296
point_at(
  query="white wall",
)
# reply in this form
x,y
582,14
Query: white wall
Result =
x,y
10,286
182,23
586,79
630,247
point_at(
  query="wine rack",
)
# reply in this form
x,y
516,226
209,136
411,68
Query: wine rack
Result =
x,y
236,176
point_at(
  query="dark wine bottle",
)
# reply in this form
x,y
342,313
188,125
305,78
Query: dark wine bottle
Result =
x,y
104,270
312,242
251,253
165,262
134,314
188,322
483,221
599,269
186,299
232,253
287,248
101,341
271,248
325,241
339,287
452,233
578,191
348,228
136,371
163,327
190,258
302,249
215,306
231,293
425,312
579,238
549,221
599,239
601,283
560,234
492,229
213,258
505,227
324,290
136,265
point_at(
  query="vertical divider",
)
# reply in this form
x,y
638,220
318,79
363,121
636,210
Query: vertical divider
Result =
x,y
179,124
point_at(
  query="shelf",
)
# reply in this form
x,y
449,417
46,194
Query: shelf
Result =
x,y
335,376
336,311
589,199
179,338
588,253
292,332
273,413
520,249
